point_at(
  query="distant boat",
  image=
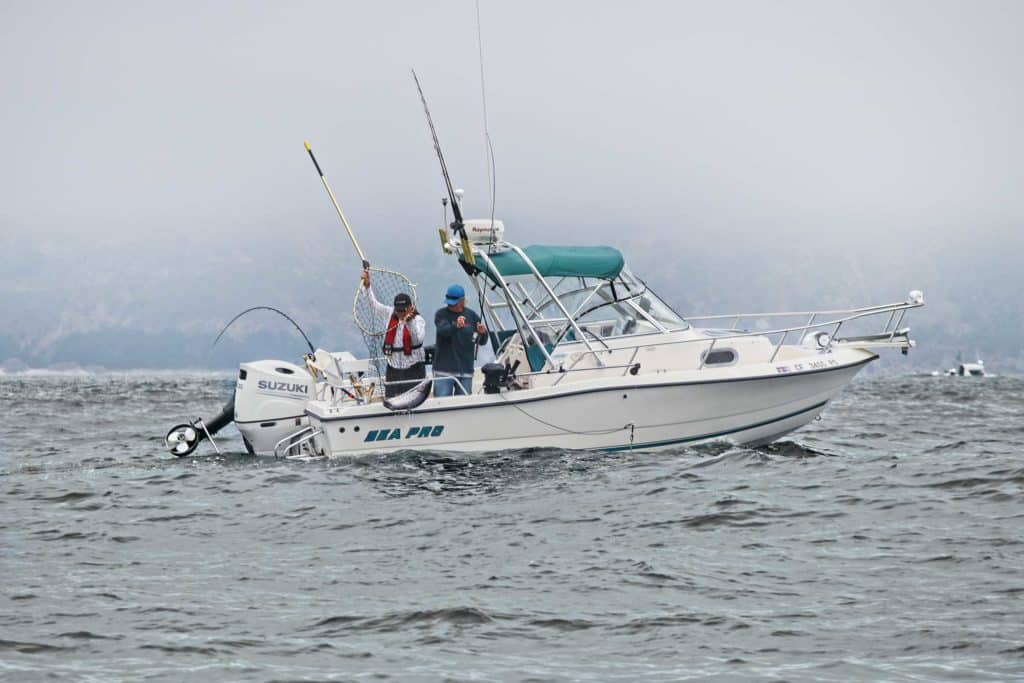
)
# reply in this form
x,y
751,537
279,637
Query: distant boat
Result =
x,y
962,369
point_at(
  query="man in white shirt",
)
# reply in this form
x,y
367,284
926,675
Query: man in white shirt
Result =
x,y
403,340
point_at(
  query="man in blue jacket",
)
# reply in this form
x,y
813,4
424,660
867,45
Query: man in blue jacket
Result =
x,y
459,331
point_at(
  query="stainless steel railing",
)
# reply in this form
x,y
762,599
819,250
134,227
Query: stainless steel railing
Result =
x,y
891,333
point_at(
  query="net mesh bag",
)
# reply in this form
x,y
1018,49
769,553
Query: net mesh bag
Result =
x,y
372,323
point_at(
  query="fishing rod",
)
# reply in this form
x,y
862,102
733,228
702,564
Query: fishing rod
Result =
x,y
265,308
457,225
337,207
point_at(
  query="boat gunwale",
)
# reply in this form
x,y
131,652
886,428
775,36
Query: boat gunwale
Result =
x,y
579,392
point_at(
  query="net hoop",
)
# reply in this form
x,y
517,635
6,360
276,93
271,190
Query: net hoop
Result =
x,y
385,284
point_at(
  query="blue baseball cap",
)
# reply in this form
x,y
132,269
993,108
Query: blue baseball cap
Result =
x,y
454,293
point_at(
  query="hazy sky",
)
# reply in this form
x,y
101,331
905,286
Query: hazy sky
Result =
x,y
153,151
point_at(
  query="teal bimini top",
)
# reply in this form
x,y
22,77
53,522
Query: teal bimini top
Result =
x,y
551,261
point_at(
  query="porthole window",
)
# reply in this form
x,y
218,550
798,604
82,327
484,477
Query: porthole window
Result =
x,y
285,371
719,357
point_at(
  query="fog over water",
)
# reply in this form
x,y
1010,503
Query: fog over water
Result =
x,y
742,155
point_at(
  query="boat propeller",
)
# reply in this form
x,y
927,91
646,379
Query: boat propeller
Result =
x,y
182,440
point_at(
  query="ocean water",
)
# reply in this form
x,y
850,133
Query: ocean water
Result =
x,y
884,542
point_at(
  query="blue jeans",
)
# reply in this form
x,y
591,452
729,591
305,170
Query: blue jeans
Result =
x,y
453,386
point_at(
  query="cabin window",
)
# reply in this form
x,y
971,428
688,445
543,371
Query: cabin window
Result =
x,y
719,357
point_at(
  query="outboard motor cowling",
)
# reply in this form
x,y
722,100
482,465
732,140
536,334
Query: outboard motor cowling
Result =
x,y
272,390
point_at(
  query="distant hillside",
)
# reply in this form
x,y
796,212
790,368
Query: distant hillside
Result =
x,y
62,309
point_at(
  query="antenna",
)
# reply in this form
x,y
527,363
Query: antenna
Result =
x,y
491,179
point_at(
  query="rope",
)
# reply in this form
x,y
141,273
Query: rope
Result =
x,y
595,432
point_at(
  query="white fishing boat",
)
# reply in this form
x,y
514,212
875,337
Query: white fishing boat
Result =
x,y
589,357
586,356
966,369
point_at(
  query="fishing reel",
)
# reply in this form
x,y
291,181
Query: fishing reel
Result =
x,y
498,376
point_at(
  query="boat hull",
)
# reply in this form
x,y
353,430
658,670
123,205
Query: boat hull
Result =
x,y
260,437
646,412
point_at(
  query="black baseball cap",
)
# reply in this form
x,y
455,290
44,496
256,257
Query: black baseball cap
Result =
x,y
402,301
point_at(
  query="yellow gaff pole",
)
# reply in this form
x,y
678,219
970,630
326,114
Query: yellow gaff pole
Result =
x,y
337,207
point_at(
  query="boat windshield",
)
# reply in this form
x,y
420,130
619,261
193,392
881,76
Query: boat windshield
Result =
x,y
601,308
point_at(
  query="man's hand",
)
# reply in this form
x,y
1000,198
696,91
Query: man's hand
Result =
x,y
460,322
480,329
365,277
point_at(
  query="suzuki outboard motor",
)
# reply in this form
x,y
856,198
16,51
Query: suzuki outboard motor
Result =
x,y
268,404
183,438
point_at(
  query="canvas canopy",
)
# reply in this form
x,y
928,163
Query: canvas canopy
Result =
x,y
552,261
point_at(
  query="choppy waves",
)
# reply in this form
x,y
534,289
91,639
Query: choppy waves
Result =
x,y
882,542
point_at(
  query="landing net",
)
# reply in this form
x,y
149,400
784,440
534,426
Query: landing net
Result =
x,y
372,323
